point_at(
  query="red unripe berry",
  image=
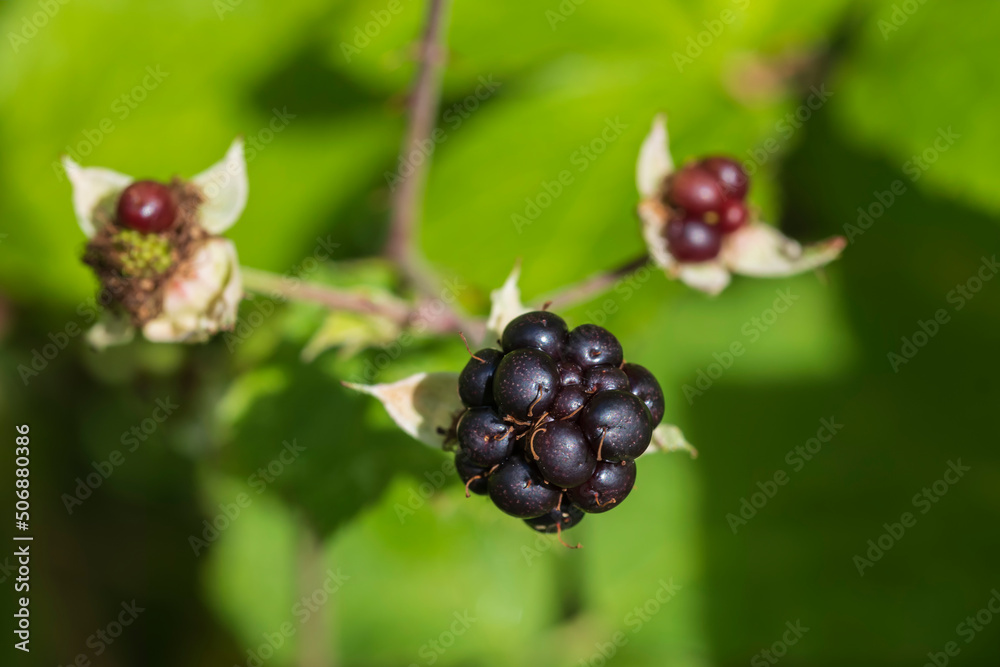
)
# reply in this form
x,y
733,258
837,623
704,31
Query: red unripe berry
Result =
x,y
693,240
695,190
732,216
730,175
147,206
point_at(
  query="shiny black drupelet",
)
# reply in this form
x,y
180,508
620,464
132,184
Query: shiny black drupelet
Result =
x,y
557,520
525,383
518,489
475,382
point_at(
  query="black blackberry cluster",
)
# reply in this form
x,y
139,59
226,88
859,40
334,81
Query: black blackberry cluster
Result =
x,y
554,421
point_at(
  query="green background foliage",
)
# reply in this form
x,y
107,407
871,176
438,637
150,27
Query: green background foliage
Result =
x,y
364,502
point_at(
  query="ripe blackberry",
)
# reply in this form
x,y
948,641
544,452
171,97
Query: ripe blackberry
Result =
x,y
557,520
606,489
562,454
568,402
538,329
147,207
517,488
553,422
590,345
562,518
604,378
569,373
645,386
525,383
617,424
474,476
485,437
693,240
475,382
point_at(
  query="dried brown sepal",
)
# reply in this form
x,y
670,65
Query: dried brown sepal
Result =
x,y
140,295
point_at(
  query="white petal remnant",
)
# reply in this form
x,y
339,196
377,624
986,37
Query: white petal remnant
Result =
x,y
225,187
94,189
708,277
655,163
110,330
424,405
202,296
506,305
668,438
761,250
654,216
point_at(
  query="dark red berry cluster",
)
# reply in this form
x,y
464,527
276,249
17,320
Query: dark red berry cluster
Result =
x,y
708,201
554,421
147,207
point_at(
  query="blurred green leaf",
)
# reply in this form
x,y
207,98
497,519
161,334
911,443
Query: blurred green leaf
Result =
x,y
916,88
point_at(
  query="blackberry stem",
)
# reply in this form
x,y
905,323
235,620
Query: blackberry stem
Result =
x,y
407,198
405,216
404,312
588,288
276,286
396,310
